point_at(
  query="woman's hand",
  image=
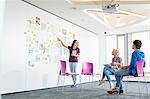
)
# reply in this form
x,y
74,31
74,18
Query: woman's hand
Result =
x,y
119,65
59,39
64,45
115,67
124,67
78,55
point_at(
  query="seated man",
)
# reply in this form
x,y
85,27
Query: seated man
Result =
x,y
110,69
137,55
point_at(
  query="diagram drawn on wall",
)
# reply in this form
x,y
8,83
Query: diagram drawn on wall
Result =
x,y
41,41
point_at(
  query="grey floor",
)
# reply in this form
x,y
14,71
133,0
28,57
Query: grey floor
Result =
x,y
85,91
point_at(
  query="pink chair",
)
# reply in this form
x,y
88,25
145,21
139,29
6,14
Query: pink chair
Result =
x,y
87,69
63,73
140,73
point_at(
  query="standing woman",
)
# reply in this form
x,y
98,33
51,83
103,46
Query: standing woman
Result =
x,y
74,54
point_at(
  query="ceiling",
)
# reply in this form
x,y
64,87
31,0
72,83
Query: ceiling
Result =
x,y
136,17
100,1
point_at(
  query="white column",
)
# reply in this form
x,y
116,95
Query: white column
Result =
x,y
126,50
129,44
2,7
102,51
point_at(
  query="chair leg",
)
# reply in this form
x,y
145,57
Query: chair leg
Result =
x,y
89,78
58,81
146,86
80,81
126,84
63,83
92,80
139,88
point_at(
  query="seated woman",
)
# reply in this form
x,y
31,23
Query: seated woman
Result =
x,y
110,69
137,55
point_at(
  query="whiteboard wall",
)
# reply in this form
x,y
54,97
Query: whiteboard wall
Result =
x,y
30,52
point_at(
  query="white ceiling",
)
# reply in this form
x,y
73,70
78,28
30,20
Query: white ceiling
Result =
x,y
73,12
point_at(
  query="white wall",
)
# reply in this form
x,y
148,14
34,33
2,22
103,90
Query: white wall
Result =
x,y
16,75
2,7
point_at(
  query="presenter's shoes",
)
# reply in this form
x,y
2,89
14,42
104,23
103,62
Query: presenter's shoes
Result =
x,y
101,82
73,85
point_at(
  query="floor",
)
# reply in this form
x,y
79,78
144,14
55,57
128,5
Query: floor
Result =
x,y
85,91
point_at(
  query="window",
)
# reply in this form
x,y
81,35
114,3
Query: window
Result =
x,y
121,47
145,38
111,43
115,42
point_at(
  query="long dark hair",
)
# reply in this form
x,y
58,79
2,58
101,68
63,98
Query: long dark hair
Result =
x,y
73,43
